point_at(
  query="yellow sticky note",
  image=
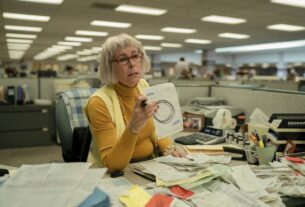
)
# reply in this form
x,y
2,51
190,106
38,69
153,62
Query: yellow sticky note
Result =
x,y
136,197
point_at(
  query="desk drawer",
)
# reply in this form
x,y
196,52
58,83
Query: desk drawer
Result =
x,y
25,138
24,120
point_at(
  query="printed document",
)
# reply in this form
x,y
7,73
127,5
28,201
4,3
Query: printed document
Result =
x,y
168,120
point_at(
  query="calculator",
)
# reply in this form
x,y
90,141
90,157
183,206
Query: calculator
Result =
x,y
207,136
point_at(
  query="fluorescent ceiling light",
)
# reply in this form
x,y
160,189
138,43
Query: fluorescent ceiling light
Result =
x,y
16,46
91,33
70,43
25,36
149,37
178,30
297,3
22,28
67,57
44,1
259,47
110,24
223,19
97,48
78,39
198,41
164,44
152,48
286,27
63,47
13,54
90,51
28,17
234,35
19,40
46,54
198,51
52,49
140,10
83,52
88,58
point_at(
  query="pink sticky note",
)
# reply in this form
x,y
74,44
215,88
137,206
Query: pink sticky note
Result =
x,y
294,159
181,192
159,200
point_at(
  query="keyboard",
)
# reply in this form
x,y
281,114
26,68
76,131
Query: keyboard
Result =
x,y
200,138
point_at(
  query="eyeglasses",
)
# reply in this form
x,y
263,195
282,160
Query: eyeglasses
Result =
x,y
124,60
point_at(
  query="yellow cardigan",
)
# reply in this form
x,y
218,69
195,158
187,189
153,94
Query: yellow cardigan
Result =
x,y
113,145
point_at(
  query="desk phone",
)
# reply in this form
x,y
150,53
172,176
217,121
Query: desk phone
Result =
x,y
207,136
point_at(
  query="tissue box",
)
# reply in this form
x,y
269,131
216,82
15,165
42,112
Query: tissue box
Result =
x,y
261,129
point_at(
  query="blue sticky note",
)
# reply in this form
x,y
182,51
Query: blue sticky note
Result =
x,y
97,198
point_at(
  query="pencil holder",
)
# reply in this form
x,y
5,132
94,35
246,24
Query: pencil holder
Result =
x,y
265,154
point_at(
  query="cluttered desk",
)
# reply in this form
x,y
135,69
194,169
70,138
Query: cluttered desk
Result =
x,y
213,178
196,180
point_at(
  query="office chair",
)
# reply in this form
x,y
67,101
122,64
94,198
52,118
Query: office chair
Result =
x,y
72,125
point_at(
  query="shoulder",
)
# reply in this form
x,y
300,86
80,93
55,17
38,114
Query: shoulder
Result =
x,y
104,92
95,102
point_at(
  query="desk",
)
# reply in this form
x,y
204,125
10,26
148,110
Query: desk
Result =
x,y
137,179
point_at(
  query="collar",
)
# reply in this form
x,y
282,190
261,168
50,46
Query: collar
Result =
x,y
126,91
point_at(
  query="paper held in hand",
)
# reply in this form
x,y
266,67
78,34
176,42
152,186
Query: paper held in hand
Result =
x,y
168,119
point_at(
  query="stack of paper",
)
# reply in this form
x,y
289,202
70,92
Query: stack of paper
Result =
x,y
296,165
205,149
115,187
48,185
193,161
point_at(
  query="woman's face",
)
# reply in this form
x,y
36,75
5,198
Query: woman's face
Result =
x,y
127,66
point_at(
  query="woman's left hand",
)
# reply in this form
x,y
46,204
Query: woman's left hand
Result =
x,y
175,153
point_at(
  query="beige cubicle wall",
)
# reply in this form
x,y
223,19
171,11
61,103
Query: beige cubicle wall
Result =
x,y
49,87
187,92
33,85
155,81
269,101
284,85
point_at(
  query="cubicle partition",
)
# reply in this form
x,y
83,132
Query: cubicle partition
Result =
x,y
269,101
283,85
31,82
187,92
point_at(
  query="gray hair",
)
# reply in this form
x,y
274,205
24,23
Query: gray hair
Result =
x,y
110,47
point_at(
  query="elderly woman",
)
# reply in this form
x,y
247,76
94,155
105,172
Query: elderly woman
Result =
x,y
121,125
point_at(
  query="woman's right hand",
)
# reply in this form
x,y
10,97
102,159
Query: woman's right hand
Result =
x,y
141,114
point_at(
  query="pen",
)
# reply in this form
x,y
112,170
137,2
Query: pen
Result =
x,y
143,103
256,134
264,138
259,142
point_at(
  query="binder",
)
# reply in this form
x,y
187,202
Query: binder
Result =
x,y
287,121
20,95
10,95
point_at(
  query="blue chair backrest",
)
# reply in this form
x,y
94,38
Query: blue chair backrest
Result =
x,y
75,100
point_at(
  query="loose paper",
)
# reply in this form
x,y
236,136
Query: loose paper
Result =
x,y
168,119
